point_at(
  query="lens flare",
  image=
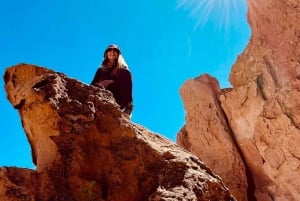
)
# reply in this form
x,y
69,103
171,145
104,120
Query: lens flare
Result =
x,y
219,12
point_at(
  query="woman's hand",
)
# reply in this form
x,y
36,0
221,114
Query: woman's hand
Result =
x,y
105,83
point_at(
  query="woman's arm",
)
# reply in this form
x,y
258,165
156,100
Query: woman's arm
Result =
x,y
125,85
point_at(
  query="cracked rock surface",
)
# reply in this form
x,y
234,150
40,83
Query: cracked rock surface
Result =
x,y
85,150
249,134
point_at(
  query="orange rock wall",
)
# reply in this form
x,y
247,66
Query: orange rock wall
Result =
x,y
262,110
86,150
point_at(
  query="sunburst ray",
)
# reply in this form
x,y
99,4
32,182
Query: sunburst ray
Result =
x,y
221,12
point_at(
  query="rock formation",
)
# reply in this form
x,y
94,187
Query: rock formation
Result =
x,y
208,135
85,150
254,127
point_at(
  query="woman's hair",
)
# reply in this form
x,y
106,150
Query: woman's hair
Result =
x,y
120,62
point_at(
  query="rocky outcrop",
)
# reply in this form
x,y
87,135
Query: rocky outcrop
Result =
x,y
258,120
208,134
84,149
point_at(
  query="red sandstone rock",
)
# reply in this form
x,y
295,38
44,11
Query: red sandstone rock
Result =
x,y
262,109
265,114
208,135
85,150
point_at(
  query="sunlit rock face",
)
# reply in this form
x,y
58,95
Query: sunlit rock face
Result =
x,y
85,150
272,56
262,110
208,134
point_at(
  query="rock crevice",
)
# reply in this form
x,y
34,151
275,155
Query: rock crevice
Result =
x,y
262,109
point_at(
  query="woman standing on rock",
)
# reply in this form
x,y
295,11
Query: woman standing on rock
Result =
x,y
115,76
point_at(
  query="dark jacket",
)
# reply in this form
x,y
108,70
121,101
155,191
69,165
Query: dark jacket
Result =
x,y
118,81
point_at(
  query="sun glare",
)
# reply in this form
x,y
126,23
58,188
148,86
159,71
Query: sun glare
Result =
x,y
221,12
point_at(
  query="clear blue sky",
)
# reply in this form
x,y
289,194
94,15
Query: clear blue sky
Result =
x,y
165,43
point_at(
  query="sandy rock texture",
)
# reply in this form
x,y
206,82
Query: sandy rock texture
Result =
x,y
208,134
259,118
85,150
